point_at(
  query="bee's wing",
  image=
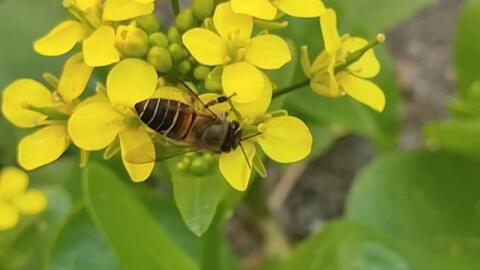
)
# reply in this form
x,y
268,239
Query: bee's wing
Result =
x,y
164,149
189,96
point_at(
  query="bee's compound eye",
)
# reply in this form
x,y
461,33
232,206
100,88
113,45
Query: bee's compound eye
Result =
x,y
235,126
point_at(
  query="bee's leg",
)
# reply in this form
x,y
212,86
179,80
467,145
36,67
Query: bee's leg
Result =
x,y
219,100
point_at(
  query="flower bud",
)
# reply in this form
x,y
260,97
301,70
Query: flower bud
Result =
x,y
201,72
158,39
202,9
173,35
149,23
184,67
185,20
160,58
178,53
131,40
199,166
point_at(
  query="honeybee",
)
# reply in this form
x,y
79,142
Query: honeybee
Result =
x,y
186,125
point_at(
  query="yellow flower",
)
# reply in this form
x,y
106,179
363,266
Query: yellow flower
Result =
x,y
240,55
100,120
268,9
27,103
285,139
344,66
16,200
92,29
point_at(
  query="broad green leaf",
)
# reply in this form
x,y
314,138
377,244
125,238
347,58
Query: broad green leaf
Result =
x,y
428,202
23,21
130,229
78,246
344,245
460,136
167,215
198,196
467,54
373,16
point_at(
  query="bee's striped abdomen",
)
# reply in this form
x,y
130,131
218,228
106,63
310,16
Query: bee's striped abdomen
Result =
x,y
170,118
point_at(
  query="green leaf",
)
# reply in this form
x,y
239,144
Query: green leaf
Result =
x,y
344,245
79,246
24,21
460,136
198,196
428,202
130,229
370,17
467,54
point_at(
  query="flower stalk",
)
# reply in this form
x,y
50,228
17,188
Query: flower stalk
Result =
x,y
175,7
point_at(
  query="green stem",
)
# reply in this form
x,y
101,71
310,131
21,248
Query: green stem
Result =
x,y
210,244
175,7
291,88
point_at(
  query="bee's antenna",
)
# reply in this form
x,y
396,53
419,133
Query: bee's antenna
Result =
x,y
246,157
251,136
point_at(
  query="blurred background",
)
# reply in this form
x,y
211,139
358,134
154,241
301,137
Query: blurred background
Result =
x,y
303,198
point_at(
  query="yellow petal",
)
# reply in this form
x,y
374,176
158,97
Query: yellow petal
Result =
x,y
363,91
205,46
61,39
99,48
259,106
244,80
321,62
13,182
86,5
325,82
302,9
19,95
235,168
268,52
120,10
94,126
131,81
75,77
144,1
130,140
262,9
368,65
286,139
42,147
31,203
232,25
8,216
331,38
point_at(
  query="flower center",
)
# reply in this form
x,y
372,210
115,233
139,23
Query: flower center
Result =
x,y
236,47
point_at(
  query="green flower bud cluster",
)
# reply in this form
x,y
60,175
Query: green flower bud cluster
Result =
x,y
167,52
196,163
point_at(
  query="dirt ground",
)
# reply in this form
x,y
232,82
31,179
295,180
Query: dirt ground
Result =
x,y
421,50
